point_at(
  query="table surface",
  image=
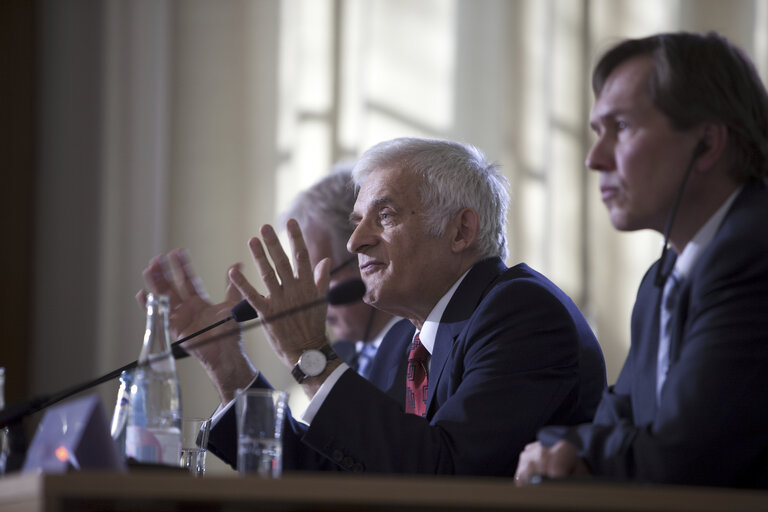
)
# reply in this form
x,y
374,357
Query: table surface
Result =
x,y
160,490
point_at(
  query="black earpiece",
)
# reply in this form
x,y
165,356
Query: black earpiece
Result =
x,y
700,148
661,271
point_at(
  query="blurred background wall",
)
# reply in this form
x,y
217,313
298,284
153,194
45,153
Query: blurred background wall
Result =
x,y
133,127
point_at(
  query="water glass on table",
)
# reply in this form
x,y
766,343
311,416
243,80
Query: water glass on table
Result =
x,y
260,415
194,442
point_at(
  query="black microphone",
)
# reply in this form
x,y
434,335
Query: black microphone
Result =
x,y
661,273
243,311
344,293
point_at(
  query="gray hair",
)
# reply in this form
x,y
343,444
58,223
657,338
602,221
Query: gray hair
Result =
x,y
329,201
454,176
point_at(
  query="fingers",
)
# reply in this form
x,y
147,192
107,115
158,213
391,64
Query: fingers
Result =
x,y
299,248
187,283
156,278
530,463
276,252
563,460
323,275
267,273
274,277
172,275
232,294
246,290
558,461
141,298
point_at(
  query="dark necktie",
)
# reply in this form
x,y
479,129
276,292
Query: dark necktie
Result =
x,y
669,299
416,384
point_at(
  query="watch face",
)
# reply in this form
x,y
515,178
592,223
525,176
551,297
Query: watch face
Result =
x,y
312,363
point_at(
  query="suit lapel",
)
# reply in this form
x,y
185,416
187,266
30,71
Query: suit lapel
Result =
x,y
455,317
750,194
677,323
645,349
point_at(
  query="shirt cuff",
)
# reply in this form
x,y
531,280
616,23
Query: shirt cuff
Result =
x,y
223,408
322,393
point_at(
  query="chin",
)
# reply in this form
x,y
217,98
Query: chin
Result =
x,y
618,226
370,297
620,222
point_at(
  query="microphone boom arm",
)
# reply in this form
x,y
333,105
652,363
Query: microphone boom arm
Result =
x,y
344,293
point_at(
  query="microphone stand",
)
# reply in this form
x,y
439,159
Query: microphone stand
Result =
x,y
20,410
344,293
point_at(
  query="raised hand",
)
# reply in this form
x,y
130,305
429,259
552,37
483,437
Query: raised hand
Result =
x,y
224,360
288,286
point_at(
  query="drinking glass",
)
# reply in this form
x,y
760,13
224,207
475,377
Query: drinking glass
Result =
x,y
194,442
260,414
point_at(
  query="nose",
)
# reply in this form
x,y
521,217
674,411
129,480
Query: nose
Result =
x,y
361,238
600,156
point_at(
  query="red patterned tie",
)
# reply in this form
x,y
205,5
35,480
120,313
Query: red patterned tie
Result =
x,y
416,384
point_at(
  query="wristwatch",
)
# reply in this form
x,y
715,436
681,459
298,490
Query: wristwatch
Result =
x,y
312,363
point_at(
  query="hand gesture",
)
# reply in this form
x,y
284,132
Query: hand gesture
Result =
x,y
287,287
224,360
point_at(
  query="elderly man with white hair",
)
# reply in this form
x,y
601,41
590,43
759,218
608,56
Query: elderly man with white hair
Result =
x,y
488,354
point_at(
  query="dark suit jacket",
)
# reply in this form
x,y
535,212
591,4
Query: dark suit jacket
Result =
x,y
512,354
712,425
346,352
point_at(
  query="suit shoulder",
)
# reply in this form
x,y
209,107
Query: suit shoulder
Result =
x,y
522,279
740,245
521,294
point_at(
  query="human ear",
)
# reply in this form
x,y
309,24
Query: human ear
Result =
x,y
465,230
711,147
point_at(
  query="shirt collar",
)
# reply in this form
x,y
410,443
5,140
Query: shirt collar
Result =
x,y
428,332
703,238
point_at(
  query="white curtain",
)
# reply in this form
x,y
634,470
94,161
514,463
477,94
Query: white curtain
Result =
x,y
212,115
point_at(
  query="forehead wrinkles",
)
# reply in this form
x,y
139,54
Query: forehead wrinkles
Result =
x,y
390,186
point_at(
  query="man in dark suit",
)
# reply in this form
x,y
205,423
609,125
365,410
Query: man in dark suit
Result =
x,y
682,115
496,352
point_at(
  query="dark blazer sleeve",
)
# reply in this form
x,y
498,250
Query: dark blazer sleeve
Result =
x,y
710,427
511,367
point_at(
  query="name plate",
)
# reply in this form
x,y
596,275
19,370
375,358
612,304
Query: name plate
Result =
x,y
73,435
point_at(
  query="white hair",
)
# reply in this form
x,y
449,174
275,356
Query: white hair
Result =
x,y
454,176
